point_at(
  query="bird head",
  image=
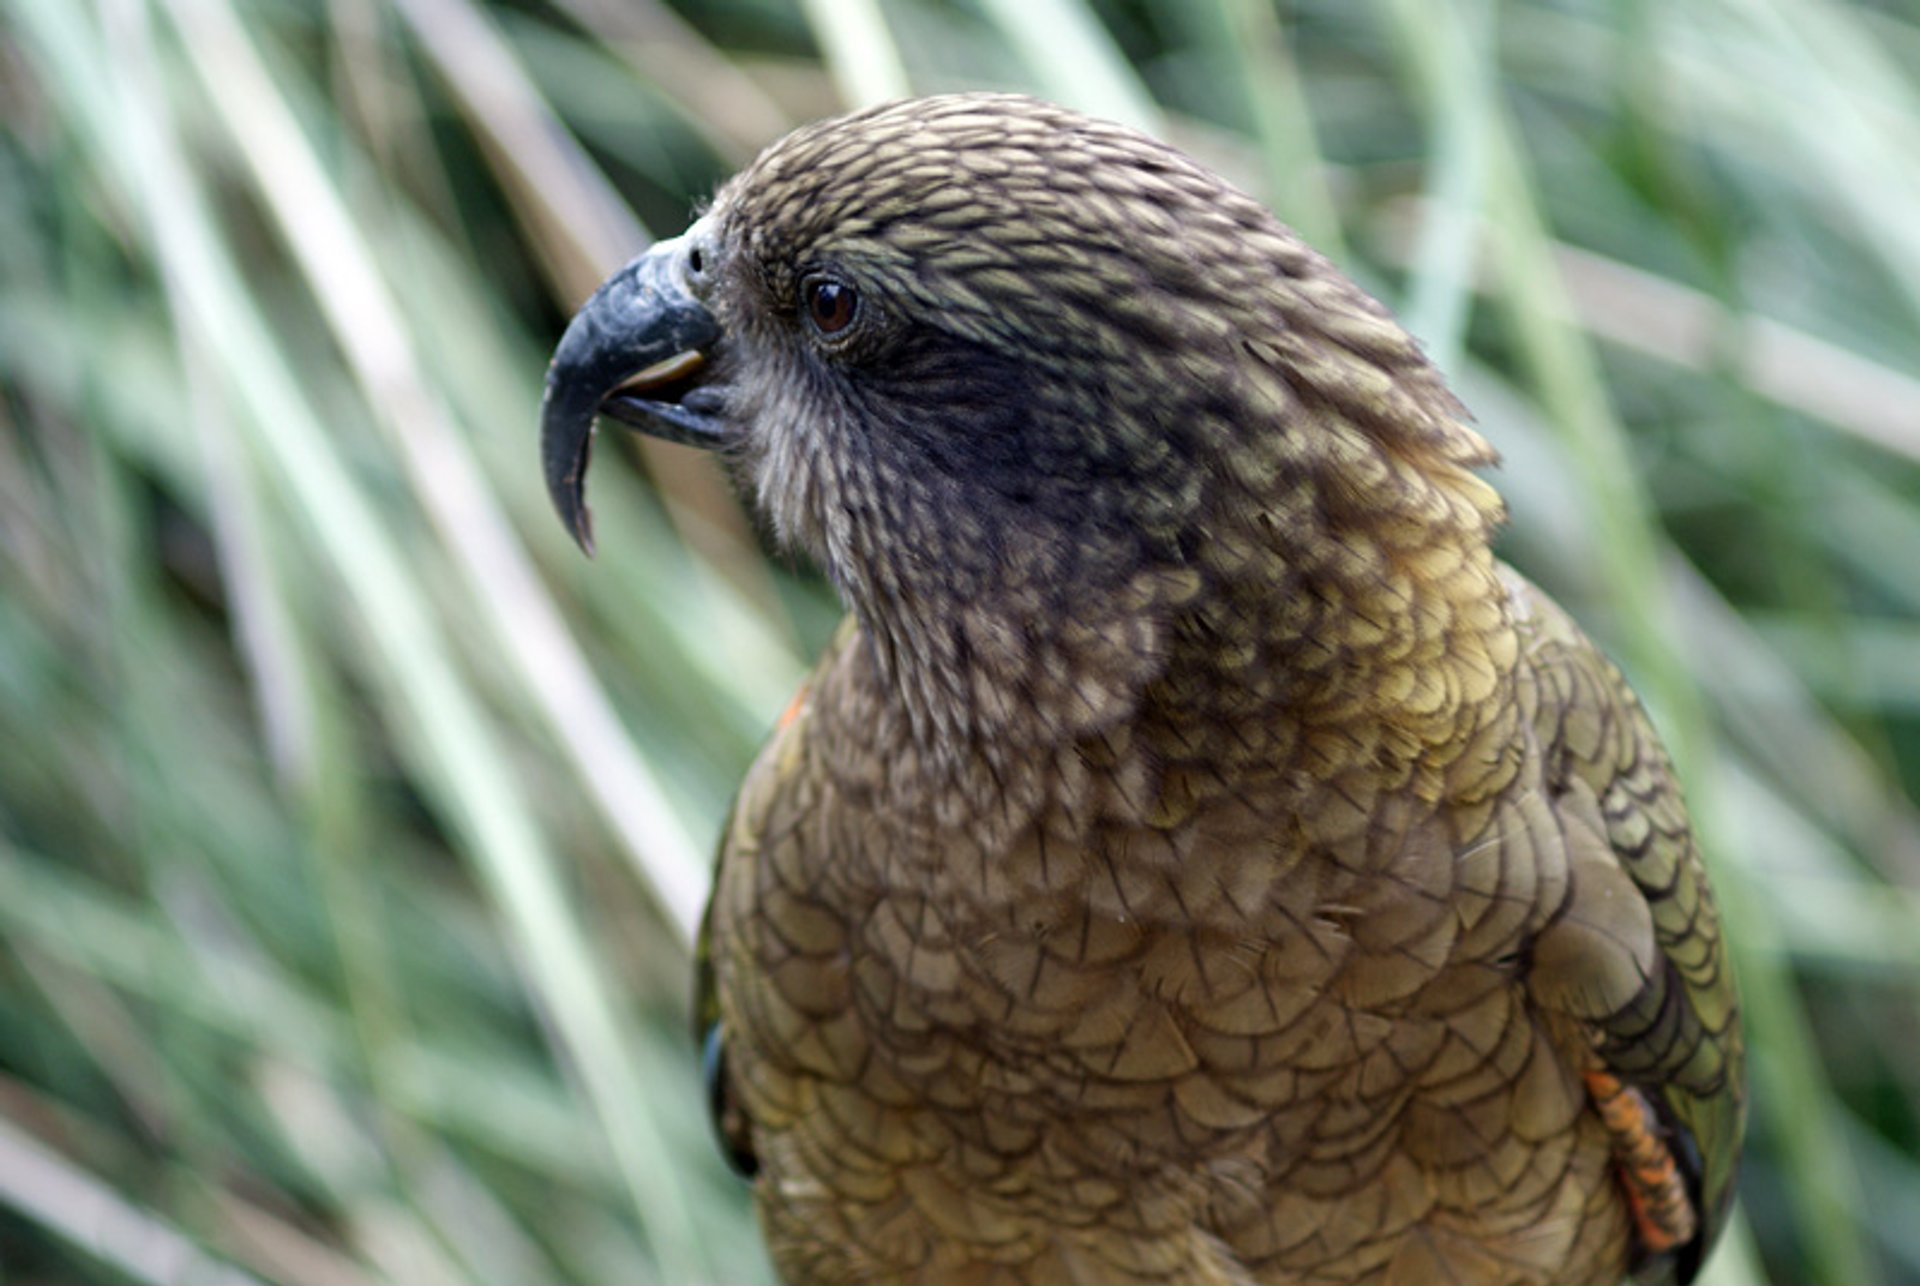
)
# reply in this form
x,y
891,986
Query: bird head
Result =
x,y
981,350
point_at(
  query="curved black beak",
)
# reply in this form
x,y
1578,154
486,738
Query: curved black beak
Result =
x,y
628,352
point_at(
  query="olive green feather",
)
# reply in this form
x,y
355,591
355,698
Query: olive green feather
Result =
x,y
1198,860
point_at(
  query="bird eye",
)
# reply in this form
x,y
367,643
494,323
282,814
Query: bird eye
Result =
x,y
831,305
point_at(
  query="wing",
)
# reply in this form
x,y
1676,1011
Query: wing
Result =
x,y
1635,957
770,776
730,1122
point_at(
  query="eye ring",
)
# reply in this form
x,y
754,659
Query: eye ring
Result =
x,y
831,305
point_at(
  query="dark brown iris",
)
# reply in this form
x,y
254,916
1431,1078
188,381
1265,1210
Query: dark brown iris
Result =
x,y
831,305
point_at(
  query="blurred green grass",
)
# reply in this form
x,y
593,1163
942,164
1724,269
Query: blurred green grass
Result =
x,y
352,827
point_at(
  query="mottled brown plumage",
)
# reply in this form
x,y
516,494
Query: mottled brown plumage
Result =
x,y
1197,860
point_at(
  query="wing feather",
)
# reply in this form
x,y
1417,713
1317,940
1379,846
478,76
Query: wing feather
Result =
x,y
1636,955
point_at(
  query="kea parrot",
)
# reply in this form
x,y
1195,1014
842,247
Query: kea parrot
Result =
x,y
1196,858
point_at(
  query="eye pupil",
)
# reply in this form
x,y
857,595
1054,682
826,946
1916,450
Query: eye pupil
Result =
x,y
831,304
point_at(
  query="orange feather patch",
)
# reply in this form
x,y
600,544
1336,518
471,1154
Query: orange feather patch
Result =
x,y
793,709
1663,1214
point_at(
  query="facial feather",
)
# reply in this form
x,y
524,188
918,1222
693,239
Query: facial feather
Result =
x,y
1079,354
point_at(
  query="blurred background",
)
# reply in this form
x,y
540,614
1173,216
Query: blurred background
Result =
x,y
352,825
